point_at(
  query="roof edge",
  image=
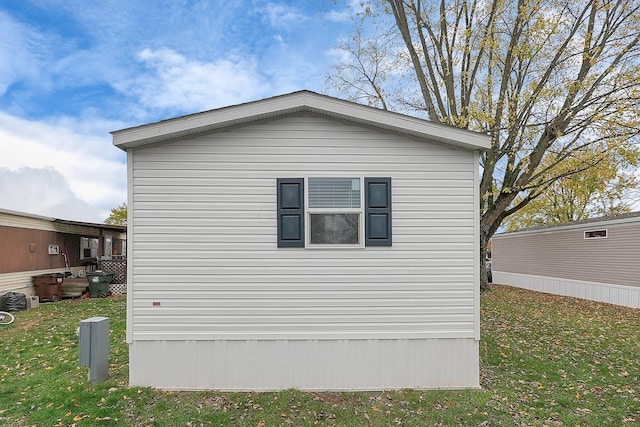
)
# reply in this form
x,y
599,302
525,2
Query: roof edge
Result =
x,y
292,103
581,224
122,228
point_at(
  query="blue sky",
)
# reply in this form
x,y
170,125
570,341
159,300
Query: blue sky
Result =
x,y
71,71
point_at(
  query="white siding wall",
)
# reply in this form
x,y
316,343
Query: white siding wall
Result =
x,y
628,296
305,364
22,281
21,221
205,264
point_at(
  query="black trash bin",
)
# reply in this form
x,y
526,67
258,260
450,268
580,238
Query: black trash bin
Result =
x,y
99,283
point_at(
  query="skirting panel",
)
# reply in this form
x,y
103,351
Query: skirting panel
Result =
x,y
305,364
118,288
627,296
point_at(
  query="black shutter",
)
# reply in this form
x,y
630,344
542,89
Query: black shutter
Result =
x,y
290,212
377,212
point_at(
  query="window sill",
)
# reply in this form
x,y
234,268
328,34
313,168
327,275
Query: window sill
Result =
x,y
340,247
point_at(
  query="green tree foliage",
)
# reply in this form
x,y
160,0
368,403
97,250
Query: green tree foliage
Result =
x,y
605,189
118,216
553,82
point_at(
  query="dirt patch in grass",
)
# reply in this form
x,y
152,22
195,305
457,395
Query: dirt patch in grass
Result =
x,y
332,398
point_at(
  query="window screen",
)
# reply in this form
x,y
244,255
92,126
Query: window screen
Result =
x,y
334,193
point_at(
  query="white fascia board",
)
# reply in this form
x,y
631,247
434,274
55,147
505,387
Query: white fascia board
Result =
x,y
26,215
293,103
206,121
589,225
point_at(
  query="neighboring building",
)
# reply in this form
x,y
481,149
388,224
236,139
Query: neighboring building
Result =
x,y
31,245
306,242
597,259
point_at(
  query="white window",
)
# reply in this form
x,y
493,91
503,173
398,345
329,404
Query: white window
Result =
x,y
334,214
88,247
108,247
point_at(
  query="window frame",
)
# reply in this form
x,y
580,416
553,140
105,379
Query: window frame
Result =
x,y
311,211
89,243
599,230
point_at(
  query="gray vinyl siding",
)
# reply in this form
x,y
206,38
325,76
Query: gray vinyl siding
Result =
x,y
321,365
563,252
204,236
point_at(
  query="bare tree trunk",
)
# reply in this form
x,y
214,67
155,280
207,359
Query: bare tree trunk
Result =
x,y
488,227
484,241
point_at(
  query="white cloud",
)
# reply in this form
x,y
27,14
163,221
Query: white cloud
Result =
x,y
44,191
18,58
38,62
85,68
279,15
68,165
177,83
338,16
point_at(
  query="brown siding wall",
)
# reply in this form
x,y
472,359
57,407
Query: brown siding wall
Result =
x,y
26,249
567,254
23,249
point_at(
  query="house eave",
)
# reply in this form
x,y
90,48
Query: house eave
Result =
x,y
119,228
587,224
295,103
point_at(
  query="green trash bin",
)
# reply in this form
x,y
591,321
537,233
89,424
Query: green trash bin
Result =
x,y
99,283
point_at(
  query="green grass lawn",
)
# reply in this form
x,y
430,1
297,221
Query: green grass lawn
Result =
x,y
545,360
